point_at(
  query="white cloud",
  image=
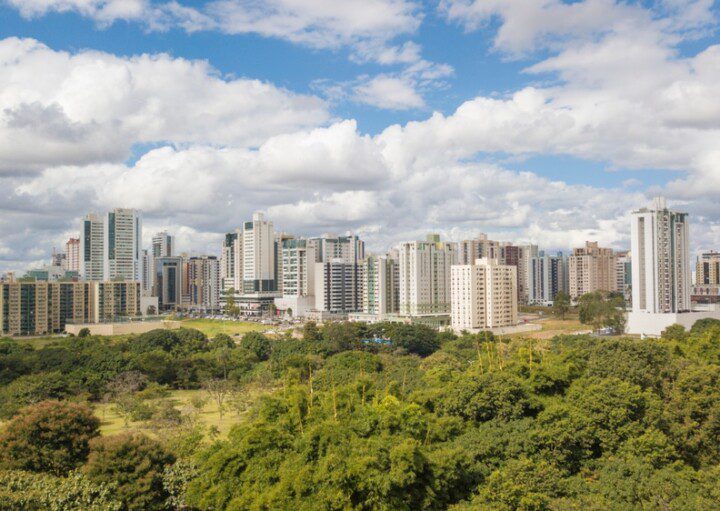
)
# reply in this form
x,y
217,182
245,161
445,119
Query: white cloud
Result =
x,y
614,89
388,92
104,12
92,106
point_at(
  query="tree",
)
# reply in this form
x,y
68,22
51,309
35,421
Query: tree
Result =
x,y
33,388
44,492
674,332
561,304
272,310
151,310
258,344
418,339
135,464
84,332
603,310
231,309
311,332
51,436
218,389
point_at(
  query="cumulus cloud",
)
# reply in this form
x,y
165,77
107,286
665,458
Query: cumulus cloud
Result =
x,y
388,92
609,87
92,106
104,12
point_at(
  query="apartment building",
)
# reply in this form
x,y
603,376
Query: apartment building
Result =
x,y
661,274
41,308
483,295
424,268
123,245
297,277
72,255
203,276
381,285
168,283
338,287
92,248
592,268
548,276
259,252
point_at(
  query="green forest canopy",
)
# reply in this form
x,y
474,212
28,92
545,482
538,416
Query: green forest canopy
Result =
x,y
382,417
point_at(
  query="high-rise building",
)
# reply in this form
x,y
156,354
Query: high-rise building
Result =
x,y
230,252
548,276
624,275
122,246
425,276
592,269
259,256
168,282
661,274
707,269
204,283
484,296
40,308
381,285
338,286
297,281
328,247
92,248
163,245
481,247
148,273
57,259
519,256
298,268
72,255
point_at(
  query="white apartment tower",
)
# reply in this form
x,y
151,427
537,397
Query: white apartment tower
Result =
x,y
484,296
231,262
425,276
148,272
72,255
258,256
123,244
92,243
661,274
298,268
381,285
338,286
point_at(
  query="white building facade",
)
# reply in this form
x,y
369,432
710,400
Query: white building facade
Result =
x,y
123,245
424,268
92,248
484,296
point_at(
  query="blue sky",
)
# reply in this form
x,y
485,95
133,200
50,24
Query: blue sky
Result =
x,y
533,121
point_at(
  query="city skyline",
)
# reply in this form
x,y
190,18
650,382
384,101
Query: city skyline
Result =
x,y
388,119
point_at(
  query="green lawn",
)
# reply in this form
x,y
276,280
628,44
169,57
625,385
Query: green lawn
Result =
x,y
212,327
112,423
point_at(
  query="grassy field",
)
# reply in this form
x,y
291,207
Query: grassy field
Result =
x,y
212,327
552,326
209,415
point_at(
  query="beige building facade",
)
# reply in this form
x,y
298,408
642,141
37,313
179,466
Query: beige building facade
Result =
x,y
592,268
39,308
483,296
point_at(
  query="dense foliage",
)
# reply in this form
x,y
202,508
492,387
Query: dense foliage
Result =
x,y
393,417
50,437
